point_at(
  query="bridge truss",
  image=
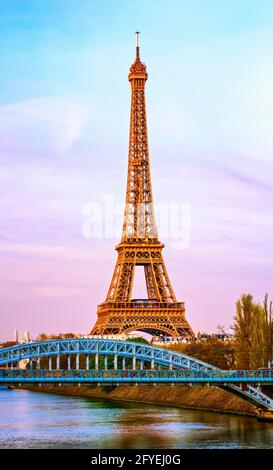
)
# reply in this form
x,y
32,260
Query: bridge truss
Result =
x,y
148,364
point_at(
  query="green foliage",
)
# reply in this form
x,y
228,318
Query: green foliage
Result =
x,y
44,336
214,351
139,339
253,328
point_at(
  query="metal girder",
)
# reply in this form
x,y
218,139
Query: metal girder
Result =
x,y
199,371
139,243
101,346
251,393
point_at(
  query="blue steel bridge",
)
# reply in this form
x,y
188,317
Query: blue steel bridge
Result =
x,y
124,363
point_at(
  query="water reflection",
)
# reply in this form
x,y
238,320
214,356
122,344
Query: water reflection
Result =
x,y
38,420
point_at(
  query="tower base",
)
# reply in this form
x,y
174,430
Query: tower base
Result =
x,y
153,317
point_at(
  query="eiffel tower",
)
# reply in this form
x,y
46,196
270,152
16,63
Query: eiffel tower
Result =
x,y
160,313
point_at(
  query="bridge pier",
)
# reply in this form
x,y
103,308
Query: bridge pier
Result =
x,y
152,364
38,363
50,362
96,361
87,362
134,362
77,361
141,365
58,362
123,363
105,362
69,362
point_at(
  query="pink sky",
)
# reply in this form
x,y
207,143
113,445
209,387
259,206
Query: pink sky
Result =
x,y
64,119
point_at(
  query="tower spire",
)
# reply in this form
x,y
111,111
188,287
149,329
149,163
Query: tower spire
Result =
x,y
138,68
137,46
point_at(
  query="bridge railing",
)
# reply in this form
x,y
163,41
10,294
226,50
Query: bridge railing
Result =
x,y
141,304
137,375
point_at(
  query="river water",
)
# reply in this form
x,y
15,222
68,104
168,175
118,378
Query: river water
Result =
x,y
40,420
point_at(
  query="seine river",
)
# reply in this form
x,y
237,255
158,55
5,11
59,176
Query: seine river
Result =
x,y
38,420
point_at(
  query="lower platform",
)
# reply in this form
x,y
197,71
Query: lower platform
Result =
x,y
153,317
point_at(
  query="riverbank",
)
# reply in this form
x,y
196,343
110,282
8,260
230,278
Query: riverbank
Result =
x,y
195,397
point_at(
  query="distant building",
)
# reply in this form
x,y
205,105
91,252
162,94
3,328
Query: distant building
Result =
x,y
26,337
162,340
15,336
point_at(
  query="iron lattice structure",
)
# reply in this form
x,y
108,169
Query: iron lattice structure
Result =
x,y
178,367
160,313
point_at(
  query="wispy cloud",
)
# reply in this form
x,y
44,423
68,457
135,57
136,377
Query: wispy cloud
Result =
x,y
250,180
49,251
55,122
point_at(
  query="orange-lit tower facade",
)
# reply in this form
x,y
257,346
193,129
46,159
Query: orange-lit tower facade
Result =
x,y
160,313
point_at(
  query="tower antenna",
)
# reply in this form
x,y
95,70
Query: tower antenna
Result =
x,y
137,45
